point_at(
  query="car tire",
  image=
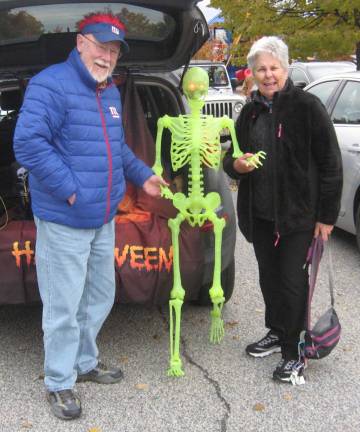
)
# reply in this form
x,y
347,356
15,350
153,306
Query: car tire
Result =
x,y
227,283
357,224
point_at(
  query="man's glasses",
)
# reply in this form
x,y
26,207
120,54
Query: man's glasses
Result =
x,y
102,49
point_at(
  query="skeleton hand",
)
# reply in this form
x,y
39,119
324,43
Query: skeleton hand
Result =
x,y
255,160
166,192
241,164
153,186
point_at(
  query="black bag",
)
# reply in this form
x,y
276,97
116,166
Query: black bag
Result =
x,y
319,341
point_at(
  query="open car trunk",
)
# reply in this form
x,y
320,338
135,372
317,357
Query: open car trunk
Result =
x,y
162,35
143,252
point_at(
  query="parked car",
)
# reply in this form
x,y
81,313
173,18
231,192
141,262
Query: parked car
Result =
x,y
303,73
341,96
35,34
221,99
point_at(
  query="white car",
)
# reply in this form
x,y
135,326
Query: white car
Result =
x,y
340,94
221,99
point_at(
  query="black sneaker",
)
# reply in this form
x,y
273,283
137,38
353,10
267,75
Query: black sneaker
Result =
x,y
102,375
290,371
65,404
267,345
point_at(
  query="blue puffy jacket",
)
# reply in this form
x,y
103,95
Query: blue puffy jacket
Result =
x,y
69,136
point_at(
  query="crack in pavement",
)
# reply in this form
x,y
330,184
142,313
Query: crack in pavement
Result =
x,y
206,375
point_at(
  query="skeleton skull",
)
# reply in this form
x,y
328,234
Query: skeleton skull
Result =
x,y
196,83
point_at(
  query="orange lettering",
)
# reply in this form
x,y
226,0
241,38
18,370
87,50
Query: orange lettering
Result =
x,y
149,258
28,252
134,256
17,254
121,259
163,260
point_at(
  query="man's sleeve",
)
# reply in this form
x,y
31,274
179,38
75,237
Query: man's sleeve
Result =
x,y
37,130
135,170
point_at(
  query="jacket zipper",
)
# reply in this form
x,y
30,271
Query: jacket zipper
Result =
x,y
276,135
108,149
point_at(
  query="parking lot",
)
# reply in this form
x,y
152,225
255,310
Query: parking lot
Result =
x,y
223,389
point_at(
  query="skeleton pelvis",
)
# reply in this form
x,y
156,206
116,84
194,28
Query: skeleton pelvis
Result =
x,y
197,208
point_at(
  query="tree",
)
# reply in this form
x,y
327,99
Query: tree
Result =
x,y
19,25
323,29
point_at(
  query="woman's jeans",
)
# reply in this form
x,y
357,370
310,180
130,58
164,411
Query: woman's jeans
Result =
x,y
76,277
283,281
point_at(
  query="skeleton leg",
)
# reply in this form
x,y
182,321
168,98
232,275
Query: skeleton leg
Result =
x,y
216,292
177,295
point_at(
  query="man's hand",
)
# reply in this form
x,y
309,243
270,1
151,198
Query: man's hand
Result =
x,y
241,165
323,230
72,199
152,186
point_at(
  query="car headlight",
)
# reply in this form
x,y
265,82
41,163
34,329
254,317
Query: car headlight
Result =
x,y
238,106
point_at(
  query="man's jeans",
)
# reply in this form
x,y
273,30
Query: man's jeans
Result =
x,y
76,277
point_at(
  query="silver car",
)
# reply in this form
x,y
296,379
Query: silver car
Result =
x,y
340,94
304,73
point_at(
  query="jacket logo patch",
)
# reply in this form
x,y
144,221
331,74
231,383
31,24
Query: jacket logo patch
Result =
x,y
114,112
115,30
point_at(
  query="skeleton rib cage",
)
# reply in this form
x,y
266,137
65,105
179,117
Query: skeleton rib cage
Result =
x,y
193,142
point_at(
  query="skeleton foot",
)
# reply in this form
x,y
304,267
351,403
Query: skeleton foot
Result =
x,y
175,368
217,324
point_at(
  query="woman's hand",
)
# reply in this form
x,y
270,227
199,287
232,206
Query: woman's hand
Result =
x,y
323,230
241,165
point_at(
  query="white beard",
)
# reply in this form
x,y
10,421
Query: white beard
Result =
x,y
101,76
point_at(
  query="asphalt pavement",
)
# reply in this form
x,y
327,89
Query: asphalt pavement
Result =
x,y
223,389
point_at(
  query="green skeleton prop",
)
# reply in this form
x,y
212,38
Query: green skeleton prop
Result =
x,y
195,140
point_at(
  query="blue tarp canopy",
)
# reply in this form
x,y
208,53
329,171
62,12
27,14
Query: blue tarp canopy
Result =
x,y
216,19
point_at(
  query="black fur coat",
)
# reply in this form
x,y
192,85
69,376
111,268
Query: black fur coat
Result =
x,y
306,162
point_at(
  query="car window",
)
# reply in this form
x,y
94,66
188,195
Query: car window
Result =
x,y
324,90
347,108
298,75
217,75
30,22
220,76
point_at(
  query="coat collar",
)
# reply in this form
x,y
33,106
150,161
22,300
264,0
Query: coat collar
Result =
x,y
262,103
75,60
258,97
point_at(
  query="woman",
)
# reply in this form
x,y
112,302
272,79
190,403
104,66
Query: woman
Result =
x,y
292,198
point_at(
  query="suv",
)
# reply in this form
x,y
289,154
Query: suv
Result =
x,y
35,34
303,73
221,99
340,94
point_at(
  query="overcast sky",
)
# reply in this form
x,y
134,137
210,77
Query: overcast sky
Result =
x,y
209,12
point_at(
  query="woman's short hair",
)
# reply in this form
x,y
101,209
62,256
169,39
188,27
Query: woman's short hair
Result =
x,y
272,45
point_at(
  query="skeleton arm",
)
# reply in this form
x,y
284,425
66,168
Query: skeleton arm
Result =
x,y
157,167
254,160
229,124
163,122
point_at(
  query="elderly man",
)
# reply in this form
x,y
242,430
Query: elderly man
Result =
x,y
70,137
